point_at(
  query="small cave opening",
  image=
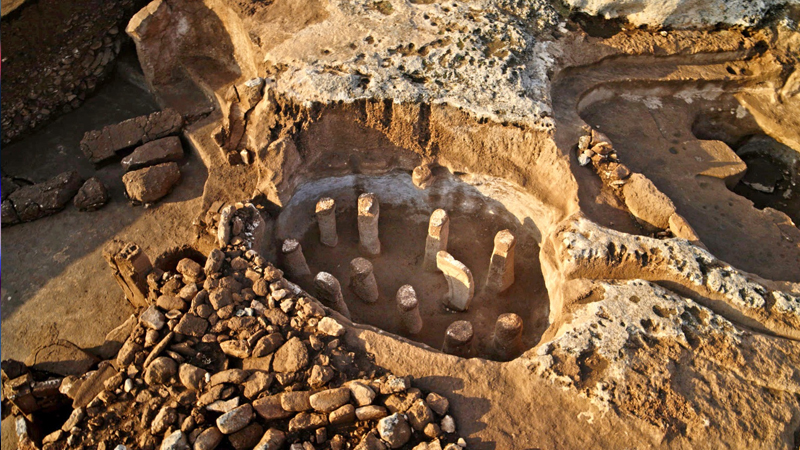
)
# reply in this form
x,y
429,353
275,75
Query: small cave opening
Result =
x,y
773,175
478,208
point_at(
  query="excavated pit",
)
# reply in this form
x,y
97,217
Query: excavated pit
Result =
x,y
478,208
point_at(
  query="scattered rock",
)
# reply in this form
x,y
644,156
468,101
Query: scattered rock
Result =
x,y
330,327
160,371
209,439
91,196
291,357
43,199
152,183
394,430
236,419
155,152
329,400
100,145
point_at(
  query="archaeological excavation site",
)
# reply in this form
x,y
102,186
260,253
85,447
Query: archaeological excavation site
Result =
x,y
400,224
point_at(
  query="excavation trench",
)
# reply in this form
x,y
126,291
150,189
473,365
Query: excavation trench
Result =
x,y
478,208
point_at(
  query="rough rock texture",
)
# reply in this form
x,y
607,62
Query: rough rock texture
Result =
x,y
680,14
152,183
155,152
43,199
91,196
54,68
100,145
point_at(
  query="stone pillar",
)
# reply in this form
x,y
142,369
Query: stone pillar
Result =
x,y
460,286
368,212
224,229
408,308
422,177
326,218
458,339
438,232
507,337
130,266
294,259
501,267
362,280
330,292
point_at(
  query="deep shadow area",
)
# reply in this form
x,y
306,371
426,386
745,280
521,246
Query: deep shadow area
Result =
x,y
54,266
404,214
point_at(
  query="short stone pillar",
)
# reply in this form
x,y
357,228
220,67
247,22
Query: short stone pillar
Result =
x,y
507,339
330,293
408,309
422,177
501,267
294,259
460,286
362,280
458,339
326,218
438,232
368,212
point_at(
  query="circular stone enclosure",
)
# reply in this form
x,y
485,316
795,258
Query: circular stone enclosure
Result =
x,y
478,208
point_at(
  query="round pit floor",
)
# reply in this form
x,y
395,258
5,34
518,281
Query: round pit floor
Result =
x,y
475,218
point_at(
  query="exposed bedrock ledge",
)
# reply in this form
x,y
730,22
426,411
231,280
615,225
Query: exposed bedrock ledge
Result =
x,y
586,250
680,13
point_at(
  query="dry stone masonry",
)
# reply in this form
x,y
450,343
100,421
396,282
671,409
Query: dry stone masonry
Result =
x,y
174,382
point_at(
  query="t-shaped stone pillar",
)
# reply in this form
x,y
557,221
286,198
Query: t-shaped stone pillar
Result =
x,y
408,308
368,212
438,232
460,286
362,280
458,339
501,267
422,177
330,292
326,218
507,338
293,256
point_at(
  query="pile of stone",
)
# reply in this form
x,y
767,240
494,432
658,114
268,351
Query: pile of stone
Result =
x,y
53,72
230,353
650,207
32,202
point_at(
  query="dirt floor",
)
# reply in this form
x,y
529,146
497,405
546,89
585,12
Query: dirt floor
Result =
x,y
474,221
56,282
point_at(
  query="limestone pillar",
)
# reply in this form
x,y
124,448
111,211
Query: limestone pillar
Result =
x,y
408,309
326,218
368,212
438,232
294,259
460,286
330,293
458,339
362,280
507,337
501,267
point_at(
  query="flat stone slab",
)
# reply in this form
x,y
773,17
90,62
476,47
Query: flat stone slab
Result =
x,y
100,145
155,152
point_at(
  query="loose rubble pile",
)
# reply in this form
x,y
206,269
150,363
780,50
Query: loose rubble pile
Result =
x,y
232,354
53,70
653,210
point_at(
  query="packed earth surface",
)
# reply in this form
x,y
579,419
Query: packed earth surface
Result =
x,y
400,224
